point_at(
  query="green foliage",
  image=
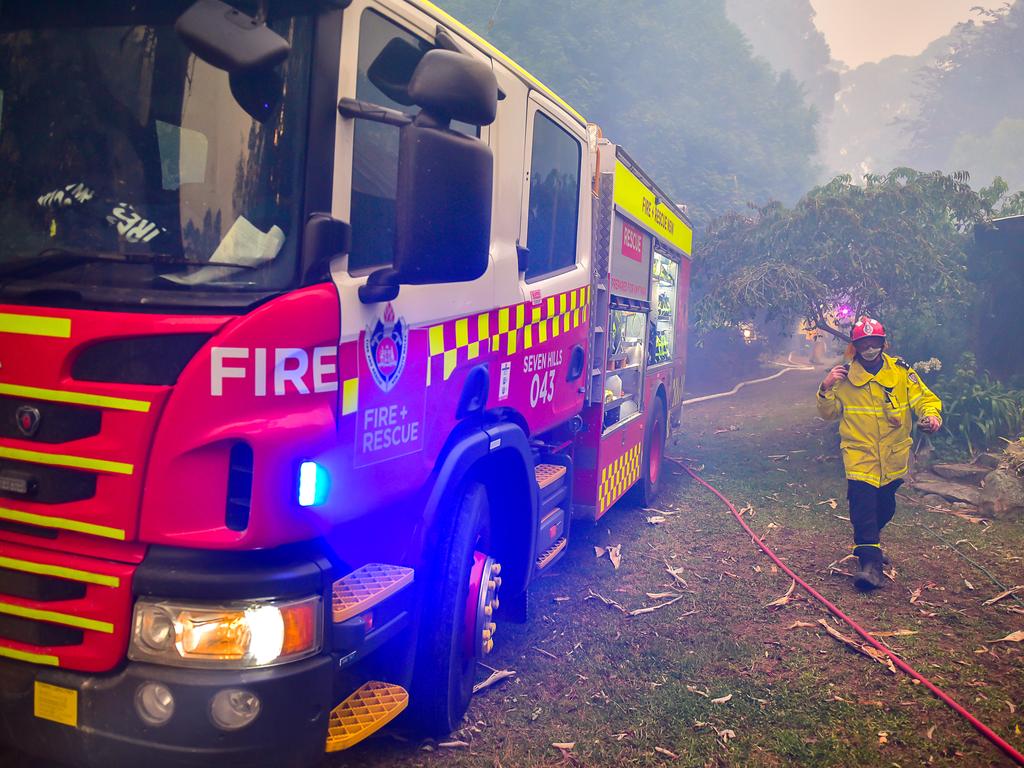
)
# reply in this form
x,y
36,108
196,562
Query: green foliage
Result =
x,y
978,409
675,83
967,95
895,244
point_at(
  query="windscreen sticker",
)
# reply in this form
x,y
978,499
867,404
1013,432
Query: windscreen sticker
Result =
x,y
182,155
65,196
132,226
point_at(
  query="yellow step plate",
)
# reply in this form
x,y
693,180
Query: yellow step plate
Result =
x,y
366,711
551,552
365,587
546,474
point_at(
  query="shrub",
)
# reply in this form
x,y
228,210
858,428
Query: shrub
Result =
x,y
977,409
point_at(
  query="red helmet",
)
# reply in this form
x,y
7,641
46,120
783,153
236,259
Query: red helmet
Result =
x,y
866,327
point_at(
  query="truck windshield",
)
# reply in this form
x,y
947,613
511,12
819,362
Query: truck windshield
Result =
x,y
131,167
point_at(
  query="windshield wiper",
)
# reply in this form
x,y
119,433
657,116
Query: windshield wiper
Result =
x,y
51,260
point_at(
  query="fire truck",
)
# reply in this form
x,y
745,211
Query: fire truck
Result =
x,y
321,322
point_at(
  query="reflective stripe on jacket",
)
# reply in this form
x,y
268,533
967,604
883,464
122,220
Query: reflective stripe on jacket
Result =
x,y
874,413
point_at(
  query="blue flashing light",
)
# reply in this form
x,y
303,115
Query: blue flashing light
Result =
x,y
312,484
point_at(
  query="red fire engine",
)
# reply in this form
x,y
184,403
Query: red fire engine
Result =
x,y
321,322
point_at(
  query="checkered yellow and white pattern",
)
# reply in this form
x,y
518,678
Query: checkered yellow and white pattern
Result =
x,y
507,329
618,477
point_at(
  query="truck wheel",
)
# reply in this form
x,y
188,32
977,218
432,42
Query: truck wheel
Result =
x,y
456,626
654,454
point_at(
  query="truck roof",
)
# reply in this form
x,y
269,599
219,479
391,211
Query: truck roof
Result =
x,y
448,20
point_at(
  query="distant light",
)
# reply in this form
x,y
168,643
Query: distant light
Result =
x,y
746,333
312,484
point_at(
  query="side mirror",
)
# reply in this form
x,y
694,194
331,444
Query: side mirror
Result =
x,y
445,178
227,39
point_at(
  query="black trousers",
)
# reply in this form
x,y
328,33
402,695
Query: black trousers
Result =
x,y
871,509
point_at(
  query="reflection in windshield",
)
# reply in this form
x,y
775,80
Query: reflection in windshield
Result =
x,y
116,138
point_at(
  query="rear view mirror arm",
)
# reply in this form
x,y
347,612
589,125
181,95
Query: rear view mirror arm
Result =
x,y
366,110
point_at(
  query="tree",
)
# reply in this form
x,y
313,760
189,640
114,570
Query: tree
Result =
x,y
898,241
675,83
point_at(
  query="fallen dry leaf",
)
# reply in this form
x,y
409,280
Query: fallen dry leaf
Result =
x,y
598,551
896,633
722,699
563,744
781,601
725,734
801,624
831,502
931,732
665,752
615,555
1013,637
915,595
659,595
883,737
656,519
561,599
698,691
749,508
453,744
968,584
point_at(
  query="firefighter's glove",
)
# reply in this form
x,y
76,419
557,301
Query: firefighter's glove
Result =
x,y
930,423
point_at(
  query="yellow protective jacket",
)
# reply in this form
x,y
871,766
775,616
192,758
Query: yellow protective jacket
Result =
x,y
874,413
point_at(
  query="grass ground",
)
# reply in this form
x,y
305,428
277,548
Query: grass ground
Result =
x,y
638,690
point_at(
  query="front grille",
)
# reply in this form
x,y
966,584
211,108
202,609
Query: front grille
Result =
x,y
32,586
57,422
38,632
44,484
63,610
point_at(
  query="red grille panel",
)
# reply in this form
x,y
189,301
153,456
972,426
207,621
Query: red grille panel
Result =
x,y
102,614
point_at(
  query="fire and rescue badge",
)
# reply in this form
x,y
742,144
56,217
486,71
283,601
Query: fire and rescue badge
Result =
x,y
386,345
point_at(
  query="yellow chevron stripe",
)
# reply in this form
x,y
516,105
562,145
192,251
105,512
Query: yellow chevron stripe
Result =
x,y
33,325
64,460
35,658
57,618
60,572
28,518
77,398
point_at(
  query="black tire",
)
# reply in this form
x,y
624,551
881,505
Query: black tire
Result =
x,y
652,463
444,676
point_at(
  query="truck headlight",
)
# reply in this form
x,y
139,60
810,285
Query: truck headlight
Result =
x,y
227,635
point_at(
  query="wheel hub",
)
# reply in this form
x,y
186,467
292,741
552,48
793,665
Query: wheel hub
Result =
x,y
481,604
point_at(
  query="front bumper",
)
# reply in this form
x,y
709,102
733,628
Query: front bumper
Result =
x,y
296,700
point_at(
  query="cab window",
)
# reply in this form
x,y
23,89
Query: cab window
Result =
x,y
554,199
388,55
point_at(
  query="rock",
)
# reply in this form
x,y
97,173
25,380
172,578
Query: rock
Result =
x,y
968,473
928,483
990,460
1003,495
934,500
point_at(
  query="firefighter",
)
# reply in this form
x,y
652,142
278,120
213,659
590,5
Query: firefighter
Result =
x,y
873,396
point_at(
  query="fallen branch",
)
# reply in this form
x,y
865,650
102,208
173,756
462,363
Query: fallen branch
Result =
x,y
496,676
1002,595
864,648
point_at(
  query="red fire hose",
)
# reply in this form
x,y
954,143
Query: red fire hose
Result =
x,y
983,729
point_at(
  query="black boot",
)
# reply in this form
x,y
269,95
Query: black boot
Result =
x,y
870,575
886,560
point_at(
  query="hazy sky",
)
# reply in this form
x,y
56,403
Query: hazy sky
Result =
x,y
869,30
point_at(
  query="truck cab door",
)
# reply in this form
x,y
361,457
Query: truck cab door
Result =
x,y
554,266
